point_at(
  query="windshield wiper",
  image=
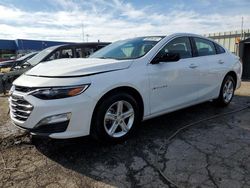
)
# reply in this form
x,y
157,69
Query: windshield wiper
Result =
x,y
106,57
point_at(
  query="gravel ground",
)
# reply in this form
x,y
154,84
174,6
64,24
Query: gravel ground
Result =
x,y
214,153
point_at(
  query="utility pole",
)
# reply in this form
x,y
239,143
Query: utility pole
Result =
x,y
242,30
87,36
82,32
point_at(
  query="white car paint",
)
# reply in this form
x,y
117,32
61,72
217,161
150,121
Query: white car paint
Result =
x,y
64,68
164,87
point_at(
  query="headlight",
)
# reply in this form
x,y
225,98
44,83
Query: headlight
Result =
x,y
59,92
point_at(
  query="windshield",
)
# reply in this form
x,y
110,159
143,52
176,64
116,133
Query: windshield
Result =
x,y
127,49
40,56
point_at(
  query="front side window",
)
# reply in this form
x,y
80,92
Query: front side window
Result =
x,y
179,45
127,49
204,47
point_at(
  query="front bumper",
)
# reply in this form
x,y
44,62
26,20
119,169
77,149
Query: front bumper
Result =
x,y
81,108
48,129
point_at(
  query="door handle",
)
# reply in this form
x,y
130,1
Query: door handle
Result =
x,y
220,62
193,66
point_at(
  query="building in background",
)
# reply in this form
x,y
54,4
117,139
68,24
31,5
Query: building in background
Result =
x,y
11,48
231,39
7,49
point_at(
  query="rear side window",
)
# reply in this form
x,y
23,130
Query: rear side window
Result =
x,y
219,49
204,47
179,45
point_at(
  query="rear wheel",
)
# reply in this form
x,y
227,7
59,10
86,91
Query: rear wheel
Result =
x,y
115,118
226,91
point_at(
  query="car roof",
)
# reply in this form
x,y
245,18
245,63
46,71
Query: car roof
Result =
x,y
196,35
188,35
83,44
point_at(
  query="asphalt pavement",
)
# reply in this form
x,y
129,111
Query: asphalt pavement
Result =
x,y
211,153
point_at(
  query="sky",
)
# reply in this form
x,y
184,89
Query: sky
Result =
x,y
111,20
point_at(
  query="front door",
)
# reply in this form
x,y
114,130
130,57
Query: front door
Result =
x,y
174,84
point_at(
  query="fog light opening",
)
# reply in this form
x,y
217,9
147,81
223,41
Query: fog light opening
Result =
x,y
54,119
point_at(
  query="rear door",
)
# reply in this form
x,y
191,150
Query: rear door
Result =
x,y
211,67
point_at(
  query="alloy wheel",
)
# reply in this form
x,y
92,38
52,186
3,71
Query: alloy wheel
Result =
x,y
119,119
228,91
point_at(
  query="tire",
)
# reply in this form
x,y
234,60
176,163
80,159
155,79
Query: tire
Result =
x,y
115,118
226,92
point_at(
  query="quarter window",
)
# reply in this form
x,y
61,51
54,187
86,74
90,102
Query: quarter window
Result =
x,y
219,49
179,45
204,47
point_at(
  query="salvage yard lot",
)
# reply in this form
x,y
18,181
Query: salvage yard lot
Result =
x,y
214,153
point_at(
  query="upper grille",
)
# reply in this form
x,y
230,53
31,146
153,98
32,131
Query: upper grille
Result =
x,y
20,109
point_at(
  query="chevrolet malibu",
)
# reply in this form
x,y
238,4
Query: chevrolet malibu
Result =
x,y
110,93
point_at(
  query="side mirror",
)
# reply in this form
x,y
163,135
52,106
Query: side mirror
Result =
x,y
167,57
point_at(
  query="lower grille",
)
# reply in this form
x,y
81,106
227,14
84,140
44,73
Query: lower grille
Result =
x,y
20,109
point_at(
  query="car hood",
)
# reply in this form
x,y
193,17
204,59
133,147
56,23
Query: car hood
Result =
x,y
77,67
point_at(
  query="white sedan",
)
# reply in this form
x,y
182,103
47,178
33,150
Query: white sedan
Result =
x,y
110,93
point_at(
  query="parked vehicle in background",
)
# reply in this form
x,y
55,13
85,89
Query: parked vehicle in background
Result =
x,y
6,67
77,50
108,94
15,62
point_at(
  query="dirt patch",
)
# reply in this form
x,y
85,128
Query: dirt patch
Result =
x,y
9,134
3,109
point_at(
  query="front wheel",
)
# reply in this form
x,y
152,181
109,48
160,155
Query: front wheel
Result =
x,y
226,91
115,118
